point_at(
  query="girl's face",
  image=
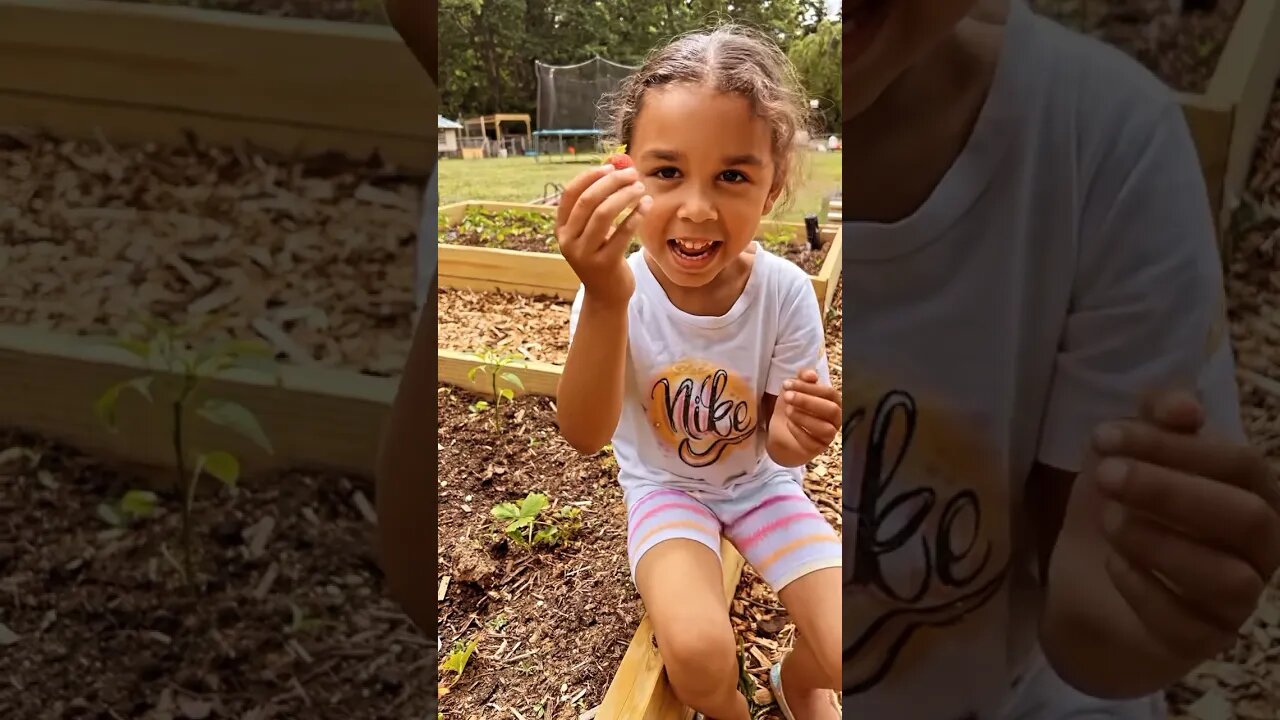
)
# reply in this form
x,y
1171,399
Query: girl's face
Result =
x,y
706,160
883,38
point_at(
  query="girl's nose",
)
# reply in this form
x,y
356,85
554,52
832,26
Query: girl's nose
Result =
x,y
697,206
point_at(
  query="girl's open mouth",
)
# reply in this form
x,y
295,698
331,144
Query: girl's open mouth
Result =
x,y
861,25
693,253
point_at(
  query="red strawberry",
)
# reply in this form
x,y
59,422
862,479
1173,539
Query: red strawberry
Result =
x,y
621,161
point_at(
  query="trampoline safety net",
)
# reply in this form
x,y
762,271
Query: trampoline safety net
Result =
x,y
569,95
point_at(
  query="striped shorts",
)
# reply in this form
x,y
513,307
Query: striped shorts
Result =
x,y
773,524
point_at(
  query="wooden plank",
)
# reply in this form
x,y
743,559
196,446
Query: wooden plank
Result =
x,y
538,378
317,417
531,273
459,264
136,124
1245,80
237,68
1211,125
831,269
640,690
477,285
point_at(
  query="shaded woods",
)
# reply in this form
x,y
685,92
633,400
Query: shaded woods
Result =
x,y
488,47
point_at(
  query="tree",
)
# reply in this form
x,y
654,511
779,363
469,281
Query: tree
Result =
x,y
817,60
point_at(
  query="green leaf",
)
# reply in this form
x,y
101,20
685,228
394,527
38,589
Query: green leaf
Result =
x,y
110,515
142,385
546,535
520,523
506,393
482,405
235,417
533,504
506,511
221,465
138,503
105,406
471,374
457,660
514,379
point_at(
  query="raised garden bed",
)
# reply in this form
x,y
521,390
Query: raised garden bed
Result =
x,y
1223,67
531,658
314,256
291,616
292,86
511,246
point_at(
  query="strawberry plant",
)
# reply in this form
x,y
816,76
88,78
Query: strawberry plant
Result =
x,y
525,526
181,370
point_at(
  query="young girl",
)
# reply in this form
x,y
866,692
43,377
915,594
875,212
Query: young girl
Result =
x,y
702,357
1032,293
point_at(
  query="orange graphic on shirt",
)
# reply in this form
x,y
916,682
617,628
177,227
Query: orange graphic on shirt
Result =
x,y
701,411
929,501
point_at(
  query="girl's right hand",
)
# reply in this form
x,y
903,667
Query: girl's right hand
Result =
x,y
593,247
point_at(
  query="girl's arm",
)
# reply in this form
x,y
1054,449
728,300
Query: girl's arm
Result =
x,y
589,396
406,481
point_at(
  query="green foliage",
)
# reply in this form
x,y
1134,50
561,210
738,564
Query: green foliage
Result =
x,y
813,56
182,365
777,241
495,364
488,47
498,227
525,524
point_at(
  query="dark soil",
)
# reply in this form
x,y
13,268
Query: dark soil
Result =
x,y
535,232
361,11
97,624
551,624
1181,49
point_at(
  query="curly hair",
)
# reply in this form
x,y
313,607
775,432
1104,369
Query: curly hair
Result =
x,y
733,59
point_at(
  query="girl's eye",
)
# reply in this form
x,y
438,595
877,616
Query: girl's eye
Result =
x,y
662,173
730,175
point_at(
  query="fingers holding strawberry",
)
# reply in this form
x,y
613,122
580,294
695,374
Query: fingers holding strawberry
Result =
x,y
812,411
589,241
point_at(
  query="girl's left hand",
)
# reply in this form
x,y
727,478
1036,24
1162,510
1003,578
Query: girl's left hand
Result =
x,y
812,411
1193,525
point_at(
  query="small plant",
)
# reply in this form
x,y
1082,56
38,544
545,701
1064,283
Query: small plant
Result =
x,y
183,369
777,241
524,525
456,663
495,365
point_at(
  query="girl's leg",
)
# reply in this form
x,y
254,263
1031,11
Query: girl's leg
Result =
x,y
812,670
679,581
795,550
674,547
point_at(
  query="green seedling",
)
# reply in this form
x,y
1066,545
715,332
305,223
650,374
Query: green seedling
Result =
x,y
523,523
456,663
777,241
495,365
181,370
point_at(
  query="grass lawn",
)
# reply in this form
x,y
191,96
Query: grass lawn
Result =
x,y
521,180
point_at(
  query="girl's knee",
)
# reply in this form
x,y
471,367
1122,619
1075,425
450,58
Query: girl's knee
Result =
x,y
701,659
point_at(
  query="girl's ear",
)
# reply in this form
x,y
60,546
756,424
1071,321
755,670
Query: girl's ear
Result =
x,y
774,193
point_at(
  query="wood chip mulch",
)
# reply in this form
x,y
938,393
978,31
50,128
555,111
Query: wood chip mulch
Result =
x,y
1180,48
316,257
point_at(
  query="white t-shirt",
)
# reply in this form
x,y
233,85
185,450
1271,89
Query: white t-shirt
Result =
x,y
1064,265
691,409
